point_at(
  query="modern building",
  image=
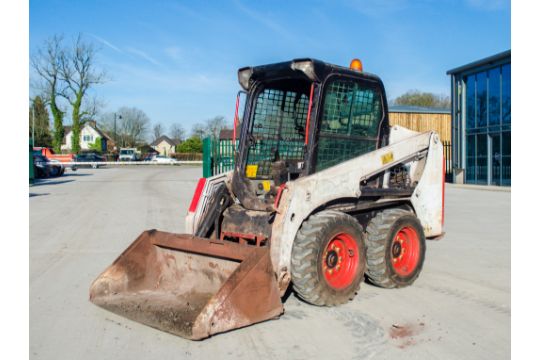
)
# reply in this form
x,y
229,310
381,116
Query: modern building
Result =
x,y
481,121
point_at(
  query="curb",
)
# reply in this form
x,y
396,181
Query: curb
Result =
x,y
480,187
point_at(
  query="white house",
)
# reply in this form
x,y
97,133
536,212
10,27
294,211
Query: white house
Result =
x,y
89,134
164,145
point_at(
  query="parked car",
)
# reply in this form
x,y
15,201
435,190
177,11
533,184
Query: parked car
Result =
x,y
90,160
148,157
45,168
128,154
162,159
65,159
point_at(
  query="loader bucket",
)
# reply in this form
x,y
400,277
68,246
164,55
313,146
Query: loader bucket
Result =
x,y
190,286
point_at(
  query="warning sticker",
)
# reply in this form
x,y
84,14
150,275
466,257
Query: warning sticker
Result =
x,y
387,158
266,185
251,171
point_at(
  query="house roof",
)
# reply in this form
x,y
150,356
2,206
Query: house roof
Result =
x,y
93,125
162,138
227,134
485,61
417,109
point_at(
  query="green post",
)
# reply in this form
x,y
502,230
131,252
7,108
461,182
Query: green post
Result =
x,y
207,157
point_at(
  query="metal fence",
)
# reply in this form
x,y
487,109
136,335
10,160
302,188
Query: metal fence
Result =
x,y
218,157
447,148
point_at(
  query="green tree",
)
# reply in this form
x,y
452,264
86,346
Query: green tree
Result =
x,y
96,146
39,119
79,74
425,99
191,145
46,63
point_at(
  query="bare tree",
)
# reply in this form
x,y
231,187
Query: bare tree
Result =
x,y
177,132
79,73
211,127
46,63
214,126
132,126
157,131
198,130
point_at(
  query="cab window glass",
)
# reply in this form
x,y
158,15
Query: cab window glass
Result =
x,y
350,122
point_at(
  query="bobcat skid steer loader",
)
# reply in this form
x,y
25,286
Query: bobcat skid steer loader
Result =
x,y
323,193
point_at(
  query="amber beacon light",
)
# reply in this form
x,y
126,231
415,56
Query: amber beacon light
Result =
x,y
356,64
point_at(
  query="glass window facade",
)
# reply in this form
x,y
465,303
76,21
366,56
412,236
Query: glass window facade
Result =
x,y
483,126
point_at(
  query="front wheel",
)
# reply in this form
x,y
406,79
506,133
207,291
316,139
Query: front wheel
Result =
x,y
396,248
328,258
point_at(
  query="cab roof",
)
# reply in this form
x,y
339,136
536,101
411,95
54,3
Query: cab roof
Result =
x,y
303,68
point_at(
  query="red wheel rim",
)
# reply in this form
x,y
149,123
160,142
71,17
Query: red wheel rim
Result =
x,y
340,261
405,251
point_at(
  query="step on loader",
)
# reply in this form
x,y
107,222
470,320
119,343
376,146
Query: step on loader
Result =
x,y
323,193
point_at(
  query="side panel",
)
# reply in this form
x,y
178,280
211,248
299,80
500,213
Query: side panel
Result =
x,y
305,195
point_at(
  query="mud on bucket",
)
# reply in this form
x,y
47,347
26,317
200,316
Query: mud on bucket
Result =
x,y
189,286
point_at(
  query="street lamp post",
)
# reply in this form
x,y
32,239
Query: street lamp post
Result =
x,y
115,135
115,138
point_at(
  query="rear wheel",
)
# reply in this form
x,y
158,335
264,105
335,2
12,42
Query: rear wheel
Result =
x,y
328,258
396,248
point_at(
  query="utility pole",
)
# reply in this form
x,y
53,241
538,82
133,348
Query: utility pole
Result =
x,y
115,137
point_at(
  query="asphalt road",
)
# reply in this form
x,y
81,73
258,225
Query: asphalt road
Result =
x,y
459,308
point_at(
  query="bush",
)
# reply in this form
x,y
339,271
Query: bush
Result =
x,y
96,146
191,145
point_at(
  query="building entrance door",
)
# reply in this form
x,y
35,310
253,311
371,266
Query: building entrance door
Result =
x,y
495,159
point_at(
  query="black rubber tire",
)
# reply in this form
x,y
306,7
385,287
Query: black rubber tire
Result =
x,y
381,231
311,240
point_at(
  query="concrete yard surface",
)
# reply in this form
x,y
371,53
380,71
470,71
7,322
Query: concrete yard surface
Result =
x,y
459,308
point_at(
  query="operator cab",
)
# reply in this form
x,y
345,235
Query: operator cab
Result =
x,y
301,117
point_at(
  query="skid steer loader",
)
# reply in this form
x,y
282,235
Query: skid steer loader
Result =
x,y
323,193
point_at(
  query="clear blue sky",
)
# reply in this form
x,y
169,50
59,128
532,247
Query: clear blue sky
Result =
x,y
177,60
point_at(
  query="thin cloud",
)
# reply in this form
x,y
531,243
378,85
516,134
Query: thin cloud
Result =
x,y
174,52
489,5
184,10
264,20
105,42
143,55
378,8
